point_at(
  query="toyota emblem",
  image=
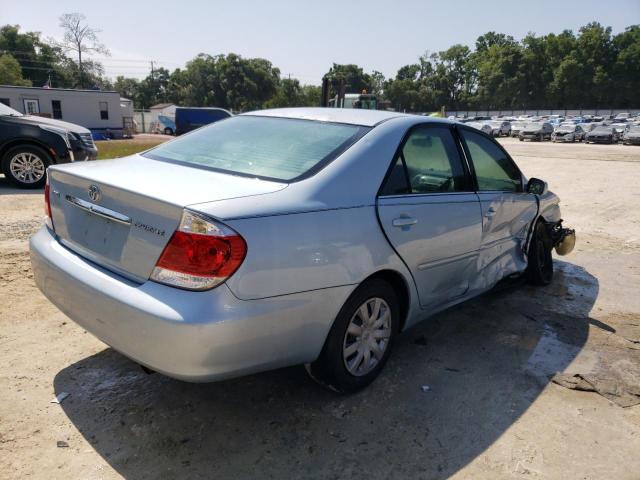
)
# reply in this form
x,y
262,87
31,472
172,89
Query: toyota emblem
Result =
x,y
94,193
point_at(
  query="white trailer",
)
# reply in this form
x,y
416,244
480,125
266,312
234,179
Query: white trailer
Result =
x,y
99,111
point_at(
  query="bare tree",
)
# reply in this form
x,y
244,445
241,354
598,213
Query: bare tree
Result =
x,y
80,38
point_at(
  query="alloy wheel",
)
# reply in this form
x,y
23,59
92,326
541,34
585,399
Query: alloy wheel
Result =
x,y
27,167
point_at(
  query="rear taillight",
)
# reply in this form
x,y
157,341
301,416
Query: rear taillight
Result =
x,y
201,254
48,219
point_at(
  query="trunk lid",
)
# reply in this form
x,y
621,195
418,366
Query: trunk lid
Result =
x,y
121,213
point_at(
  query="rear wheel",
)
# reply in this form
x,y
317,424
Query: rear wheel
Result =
x,y
540,267
360,340
26,166
168,131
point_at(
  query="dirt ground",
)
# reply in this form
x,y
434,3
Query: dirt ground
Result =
x,y
490,410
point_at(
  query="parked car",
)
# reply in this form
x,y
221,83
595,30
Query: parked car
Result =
x,y
292,236
621,127
516,127
632,136
29,144
568,132
536,131
166,125
500,128
602,134
483,127
190,118
624,116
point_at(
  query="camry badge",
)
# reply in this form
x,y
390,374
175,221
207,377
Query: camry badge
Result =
x,y
94,193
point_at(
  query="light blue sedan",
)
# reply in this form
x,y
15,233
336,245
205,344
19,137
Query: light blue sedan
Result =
x,y
294,236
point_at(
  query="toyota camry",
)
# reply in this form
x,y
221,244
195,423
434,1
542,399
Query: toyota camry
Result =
x,y
293,236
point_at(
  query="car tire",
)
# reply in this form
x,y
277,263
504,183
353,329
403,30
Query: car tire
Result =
x,y
25,166
344,365
540,265
521,139
168,131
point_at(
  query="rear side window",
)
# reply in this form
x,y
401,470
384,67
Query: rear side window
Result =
x,y
428,162
494,170
281,149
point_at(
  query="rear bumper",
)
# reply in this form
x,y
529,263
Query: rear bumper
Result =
x,y
192,336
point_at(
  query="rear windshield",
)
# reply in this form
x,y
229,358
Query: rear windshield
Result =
x,y
281,149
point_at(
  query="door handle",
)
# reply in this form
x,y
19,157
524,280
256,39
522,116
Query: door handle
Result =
x,y
404,221
490,212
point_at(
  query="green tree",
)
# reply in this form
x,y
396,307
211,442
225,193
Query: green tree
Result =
x,y
10,72
626,68
353,76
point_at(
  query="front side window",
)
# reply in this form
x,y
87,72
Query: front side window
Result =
x,y
104,110
279,149
494,170
428,162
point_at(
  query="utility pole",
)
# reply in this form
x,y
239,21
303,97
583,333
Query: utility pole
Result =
x,y
153,81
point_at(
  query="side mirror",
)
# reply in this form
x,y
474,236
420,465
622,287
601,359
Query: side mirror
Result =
x,y
537,186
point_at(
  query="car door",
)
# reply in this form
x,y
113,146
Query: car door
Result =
x,y
431,215
507,211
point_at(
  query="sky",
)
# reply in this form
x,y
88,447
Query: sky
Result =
x,y
303,38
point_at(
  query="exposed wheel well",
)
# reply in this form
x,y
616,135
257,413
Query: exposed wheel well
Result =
x,y
401,288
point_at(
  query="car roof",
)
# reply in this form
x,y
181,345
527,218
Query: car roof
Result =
x,y
353,116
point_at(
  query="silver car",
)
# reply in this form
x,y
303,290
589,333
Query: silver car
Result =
x,y
500,128
295,236
483,127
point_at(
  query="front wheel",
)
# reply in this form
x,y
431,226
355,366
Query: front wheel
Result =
x,y
168,131
360,340
26,166
540,267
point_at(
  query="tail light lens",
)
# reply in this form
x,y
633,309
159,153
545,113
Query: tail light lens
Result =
x,y
201,254
48,219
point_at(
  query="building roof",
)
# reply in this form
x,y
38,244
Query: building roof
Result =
x,y
355,116
160,106
46,89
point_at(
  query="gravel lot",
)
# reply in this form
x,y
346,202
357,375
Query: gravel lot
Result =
x,y
491,410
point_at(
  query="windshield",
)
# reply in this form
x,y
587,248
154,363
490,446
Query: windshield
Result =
x,y
566,128
279,149
533,126
4,110
635,129
602,130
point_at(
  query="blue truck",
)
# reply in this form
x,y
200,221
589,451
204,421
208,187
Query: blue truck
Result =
x,y
190,118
